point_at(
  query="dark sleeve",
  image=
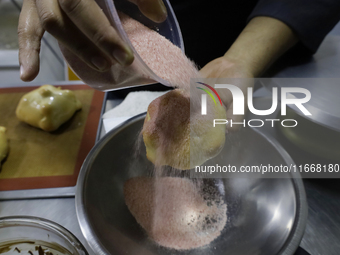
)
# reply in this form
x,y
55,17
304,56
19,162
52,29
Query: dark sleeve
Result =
x,y
311,20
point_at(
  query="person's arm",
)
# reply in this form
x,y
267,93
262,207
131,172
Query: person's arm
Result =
x,y
81,26
261,42
274,27
311,20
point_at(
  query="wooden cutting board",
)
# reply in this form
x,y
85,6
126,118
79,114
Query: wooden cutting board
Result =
x,y
39,159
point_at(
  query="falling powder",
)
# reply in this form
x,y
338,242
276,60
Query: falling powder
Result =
x,y
163,57
173,211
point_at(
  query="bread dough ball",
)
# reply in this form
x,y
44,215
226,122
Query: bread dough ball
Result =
x,y
3,144
172,137
47,107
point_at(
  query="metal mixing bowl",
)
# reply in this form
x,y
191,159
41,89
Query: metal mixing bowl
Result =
x,y
265,216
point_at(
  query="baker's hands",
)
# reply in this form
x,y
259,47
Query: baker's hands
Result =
x,y
261,42
238,74
81,26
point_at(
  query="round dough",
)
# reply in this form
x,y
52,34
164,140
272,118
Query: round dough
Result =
x,y
47,107
3,144
176,134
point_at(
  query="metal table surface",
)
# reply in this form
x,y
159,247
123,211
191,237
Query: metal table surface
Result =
x,y
322,236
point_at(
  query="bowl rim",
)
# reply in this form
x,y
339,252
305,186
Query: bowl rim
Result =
x,y
289,247
52,226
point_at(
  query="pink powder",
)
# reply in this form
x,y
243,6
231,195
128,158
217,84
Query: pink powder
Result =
x,y
174,213
162,56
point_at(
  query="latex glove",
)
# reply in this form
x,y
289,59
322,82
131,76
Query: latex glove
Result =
x,y
225,67
81,26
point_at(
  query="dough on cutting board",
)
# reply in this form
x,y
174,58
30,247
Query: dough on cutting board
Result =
x,y
3,144
176,138
47,107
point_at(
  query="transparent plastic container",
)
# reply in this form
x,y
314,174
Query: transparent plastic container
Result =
x,y
138,73
21,234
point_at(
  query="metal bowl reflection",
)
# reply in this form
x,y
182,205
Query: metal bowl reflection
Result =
x,y
265,216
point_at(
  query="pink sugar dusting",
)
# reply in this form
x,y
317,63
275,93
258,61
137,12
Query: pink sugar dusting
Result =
x,y
162,56
174,213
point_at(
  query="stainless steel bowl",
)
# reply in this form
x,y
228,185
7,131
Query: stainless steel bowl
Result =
x,y
265,216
